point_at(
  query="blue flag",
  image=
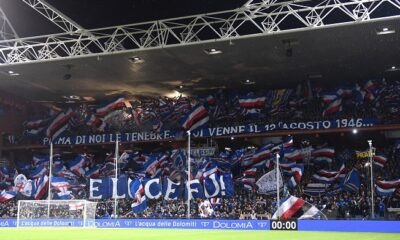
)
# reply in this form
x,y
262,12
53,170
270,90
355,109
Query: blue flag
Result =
x,y
218,185
196,190
352,181
139,201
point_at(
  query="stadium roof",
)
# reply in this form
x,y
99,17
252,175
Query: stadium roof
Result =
x,y
330,54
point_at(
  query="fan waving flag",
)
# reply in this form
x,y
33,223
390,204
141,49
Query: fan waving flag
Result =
x,y
387,192
294,207
380,160
352,181
324,151
40,187
59,124
5,196
333,107
251,101
106,107
388,184
195,118
139,201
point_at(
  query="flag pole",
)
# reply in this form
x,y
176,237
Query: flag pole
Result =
x,y
277,184
50,174
116,174
188,178
372,179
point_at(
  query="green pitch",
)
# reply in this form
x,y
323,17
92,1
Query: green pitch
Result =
x,y
164,234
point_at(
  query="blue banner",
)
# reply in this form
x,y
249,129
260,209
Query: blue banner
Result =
x,y
303,225
214,131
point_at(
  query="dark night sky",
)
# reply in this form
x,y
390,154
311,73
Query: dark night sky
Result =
x,y
103,13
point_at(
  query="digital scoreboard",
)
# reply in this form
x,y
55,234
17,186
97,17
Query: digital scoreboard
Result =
x,y
283,224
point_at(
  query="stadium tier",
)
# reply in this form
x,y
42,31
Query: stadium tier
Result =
x,y
226,183
259,115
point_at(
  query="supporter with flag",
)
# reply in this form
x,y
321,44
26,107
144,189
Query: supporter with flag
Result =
x,y
297,208
139,203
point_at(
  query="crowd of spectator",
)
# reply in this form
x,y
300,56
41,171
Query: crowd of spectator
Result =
x,y
379,100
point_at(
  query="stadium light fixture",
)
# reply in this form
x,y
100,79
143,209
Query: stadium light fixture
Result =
x,y
392,68
212,51
385,30
12,73
248,82
136,59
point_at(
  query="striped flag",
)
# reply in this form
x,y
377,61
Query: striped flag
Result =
x,y
139,200
333,107
380,160
322,159
106,107
195,118
315,189
6,195
328,97
292,154
388,184
41,186
59,124
251,101
387,192
294,207
324,151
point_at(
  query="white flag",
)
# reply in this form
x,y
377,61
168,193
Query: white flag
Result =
x,y
267,183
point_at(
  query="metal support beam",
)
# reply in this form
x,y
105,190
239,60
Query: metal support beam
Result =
x,y
6,29
54,15
256,18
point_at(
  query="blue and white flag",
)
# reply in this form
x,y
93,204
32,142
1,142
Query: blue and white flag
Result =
x,y
322,159
352,181
252,102
315,189
197,117
387,192
292,154
6,195
76,164
385,184
59,124
39,171
40,160
93,172
106,107
40,187
139,201
324,151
